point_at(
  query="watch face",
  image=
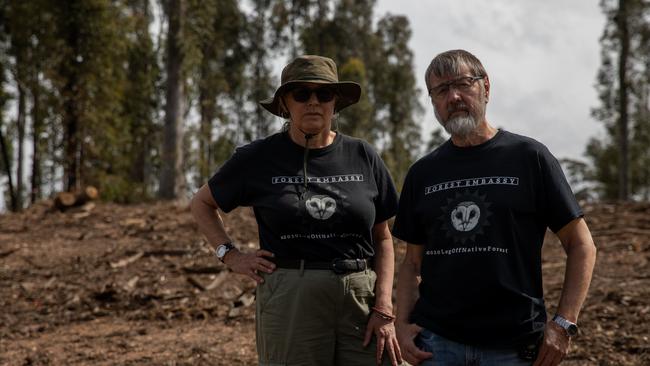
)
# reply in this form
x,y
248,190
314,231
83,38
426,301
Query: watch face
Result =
x,y
221,251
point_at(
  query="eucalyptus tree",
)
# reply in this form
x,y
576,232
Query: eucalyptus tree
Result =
x,y
5,161
89,78
20,51
141,102
620,158
397,95
377,57
218,33
172,179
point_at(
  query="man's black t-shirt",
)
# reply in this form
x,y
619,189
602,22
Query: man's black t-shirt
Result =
x,y
481,213
348,191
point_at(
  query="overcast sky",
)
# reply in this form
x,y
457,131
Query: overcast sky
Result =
x,y
541,56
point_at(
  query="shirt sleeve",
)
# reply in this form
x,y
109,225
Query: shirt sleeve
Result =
x,y
559,202
228,184
406,224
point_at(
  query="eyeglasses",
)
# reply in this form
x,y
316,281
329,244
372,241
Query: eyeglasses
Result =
x,y
462,84
302,94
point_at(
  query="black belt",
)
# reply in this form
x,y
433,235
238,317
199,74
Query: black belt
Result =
x,y
338,266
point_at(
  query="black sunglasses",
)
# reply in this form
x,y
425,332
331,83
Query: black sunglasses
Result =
x,y
302,94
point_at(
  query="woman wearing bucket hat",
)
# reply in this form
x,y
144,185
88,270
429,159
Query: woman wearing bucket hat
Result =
x,y
321,200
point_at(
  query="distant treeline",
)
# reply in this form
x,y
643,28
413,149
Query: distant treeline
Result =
x,y
619,161
146,98
134,96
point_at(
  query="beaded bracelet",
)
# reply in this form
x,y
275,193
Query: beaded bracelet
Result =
x,y
382,314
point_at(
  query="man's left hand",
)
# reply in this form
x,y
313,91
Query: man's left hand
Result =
x,y
554,347
384,330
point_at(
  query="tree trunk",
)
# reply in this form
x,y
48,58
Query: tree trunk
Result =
x,y
71,116
260,72
7,164
37,127
20,127
71,138
207,106
623,157
171,178
141,147
322,20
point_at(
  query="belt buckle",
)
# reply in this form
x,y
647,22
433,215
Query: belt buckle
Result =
x,y
336,269
362,265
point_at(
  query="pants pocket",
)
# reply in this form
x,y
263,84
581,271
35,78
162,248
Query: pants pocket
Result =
x,y
267,289
361,285
424,340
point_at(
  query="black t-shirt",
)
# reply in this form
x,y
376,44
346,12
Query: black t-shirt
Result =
x,y
348,191
481,212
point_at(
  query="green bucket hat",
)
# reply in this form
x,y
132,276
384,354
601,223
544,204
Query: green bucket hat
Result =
x,y
313,69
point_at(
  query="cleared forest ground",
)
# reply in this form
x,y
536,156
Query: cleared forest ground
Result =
x,y
137,285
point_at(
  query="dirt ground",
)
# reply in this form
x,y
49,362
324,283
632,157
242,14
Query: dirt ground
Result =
x,y
137,285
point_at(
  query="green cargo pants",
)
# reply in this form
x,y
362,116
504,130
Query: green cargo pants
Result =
x,y
315,317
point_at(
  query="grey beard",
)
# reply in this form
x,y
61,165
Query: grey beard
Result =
x,y
461,126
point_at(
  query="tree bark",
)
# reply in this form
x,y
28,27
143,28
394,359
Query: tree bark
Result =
x,y
207,108
70,92
7,164
71,138
171,178
20,127
37,128
65,200
623,157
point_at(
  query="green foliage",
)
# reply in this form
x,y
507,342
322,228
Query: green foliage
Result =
x,y
605,153
257,123
375,56
397,95
93,77
579,176
141,100
605,160
121,189
217,29
223,148
358,119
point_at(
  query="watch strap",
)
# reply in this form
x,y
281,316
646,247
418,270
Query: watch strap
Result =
x,y
569,327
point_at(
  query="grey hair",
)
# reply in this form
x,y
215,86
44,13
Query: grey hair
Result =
x,y
449,64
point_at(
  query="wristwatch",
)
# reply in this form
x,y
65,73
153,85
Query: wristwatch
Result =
x,y
569,327
223,249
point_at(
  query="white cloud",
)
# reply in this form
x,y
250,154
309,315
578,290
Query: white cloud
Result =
x,y
542,58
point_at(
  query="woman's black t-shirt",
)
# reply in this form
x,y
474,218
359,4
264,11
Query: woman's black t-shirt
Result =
x,y
348,191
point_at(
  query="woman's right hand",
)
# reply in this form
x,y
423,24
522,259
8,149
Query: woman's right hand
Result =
x,y
249,263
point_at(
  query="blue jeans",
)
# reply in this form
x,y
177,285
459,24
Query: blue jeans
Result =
x,y
450,353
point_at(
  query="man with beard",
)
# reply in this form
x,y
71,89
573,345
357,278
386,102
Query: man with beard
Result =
x,y
474,213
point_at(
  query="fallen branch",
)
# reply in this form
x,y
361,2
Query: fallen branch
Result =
x,y
8,253
167,252
203,270
245,300
217,281
195,283
127,261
